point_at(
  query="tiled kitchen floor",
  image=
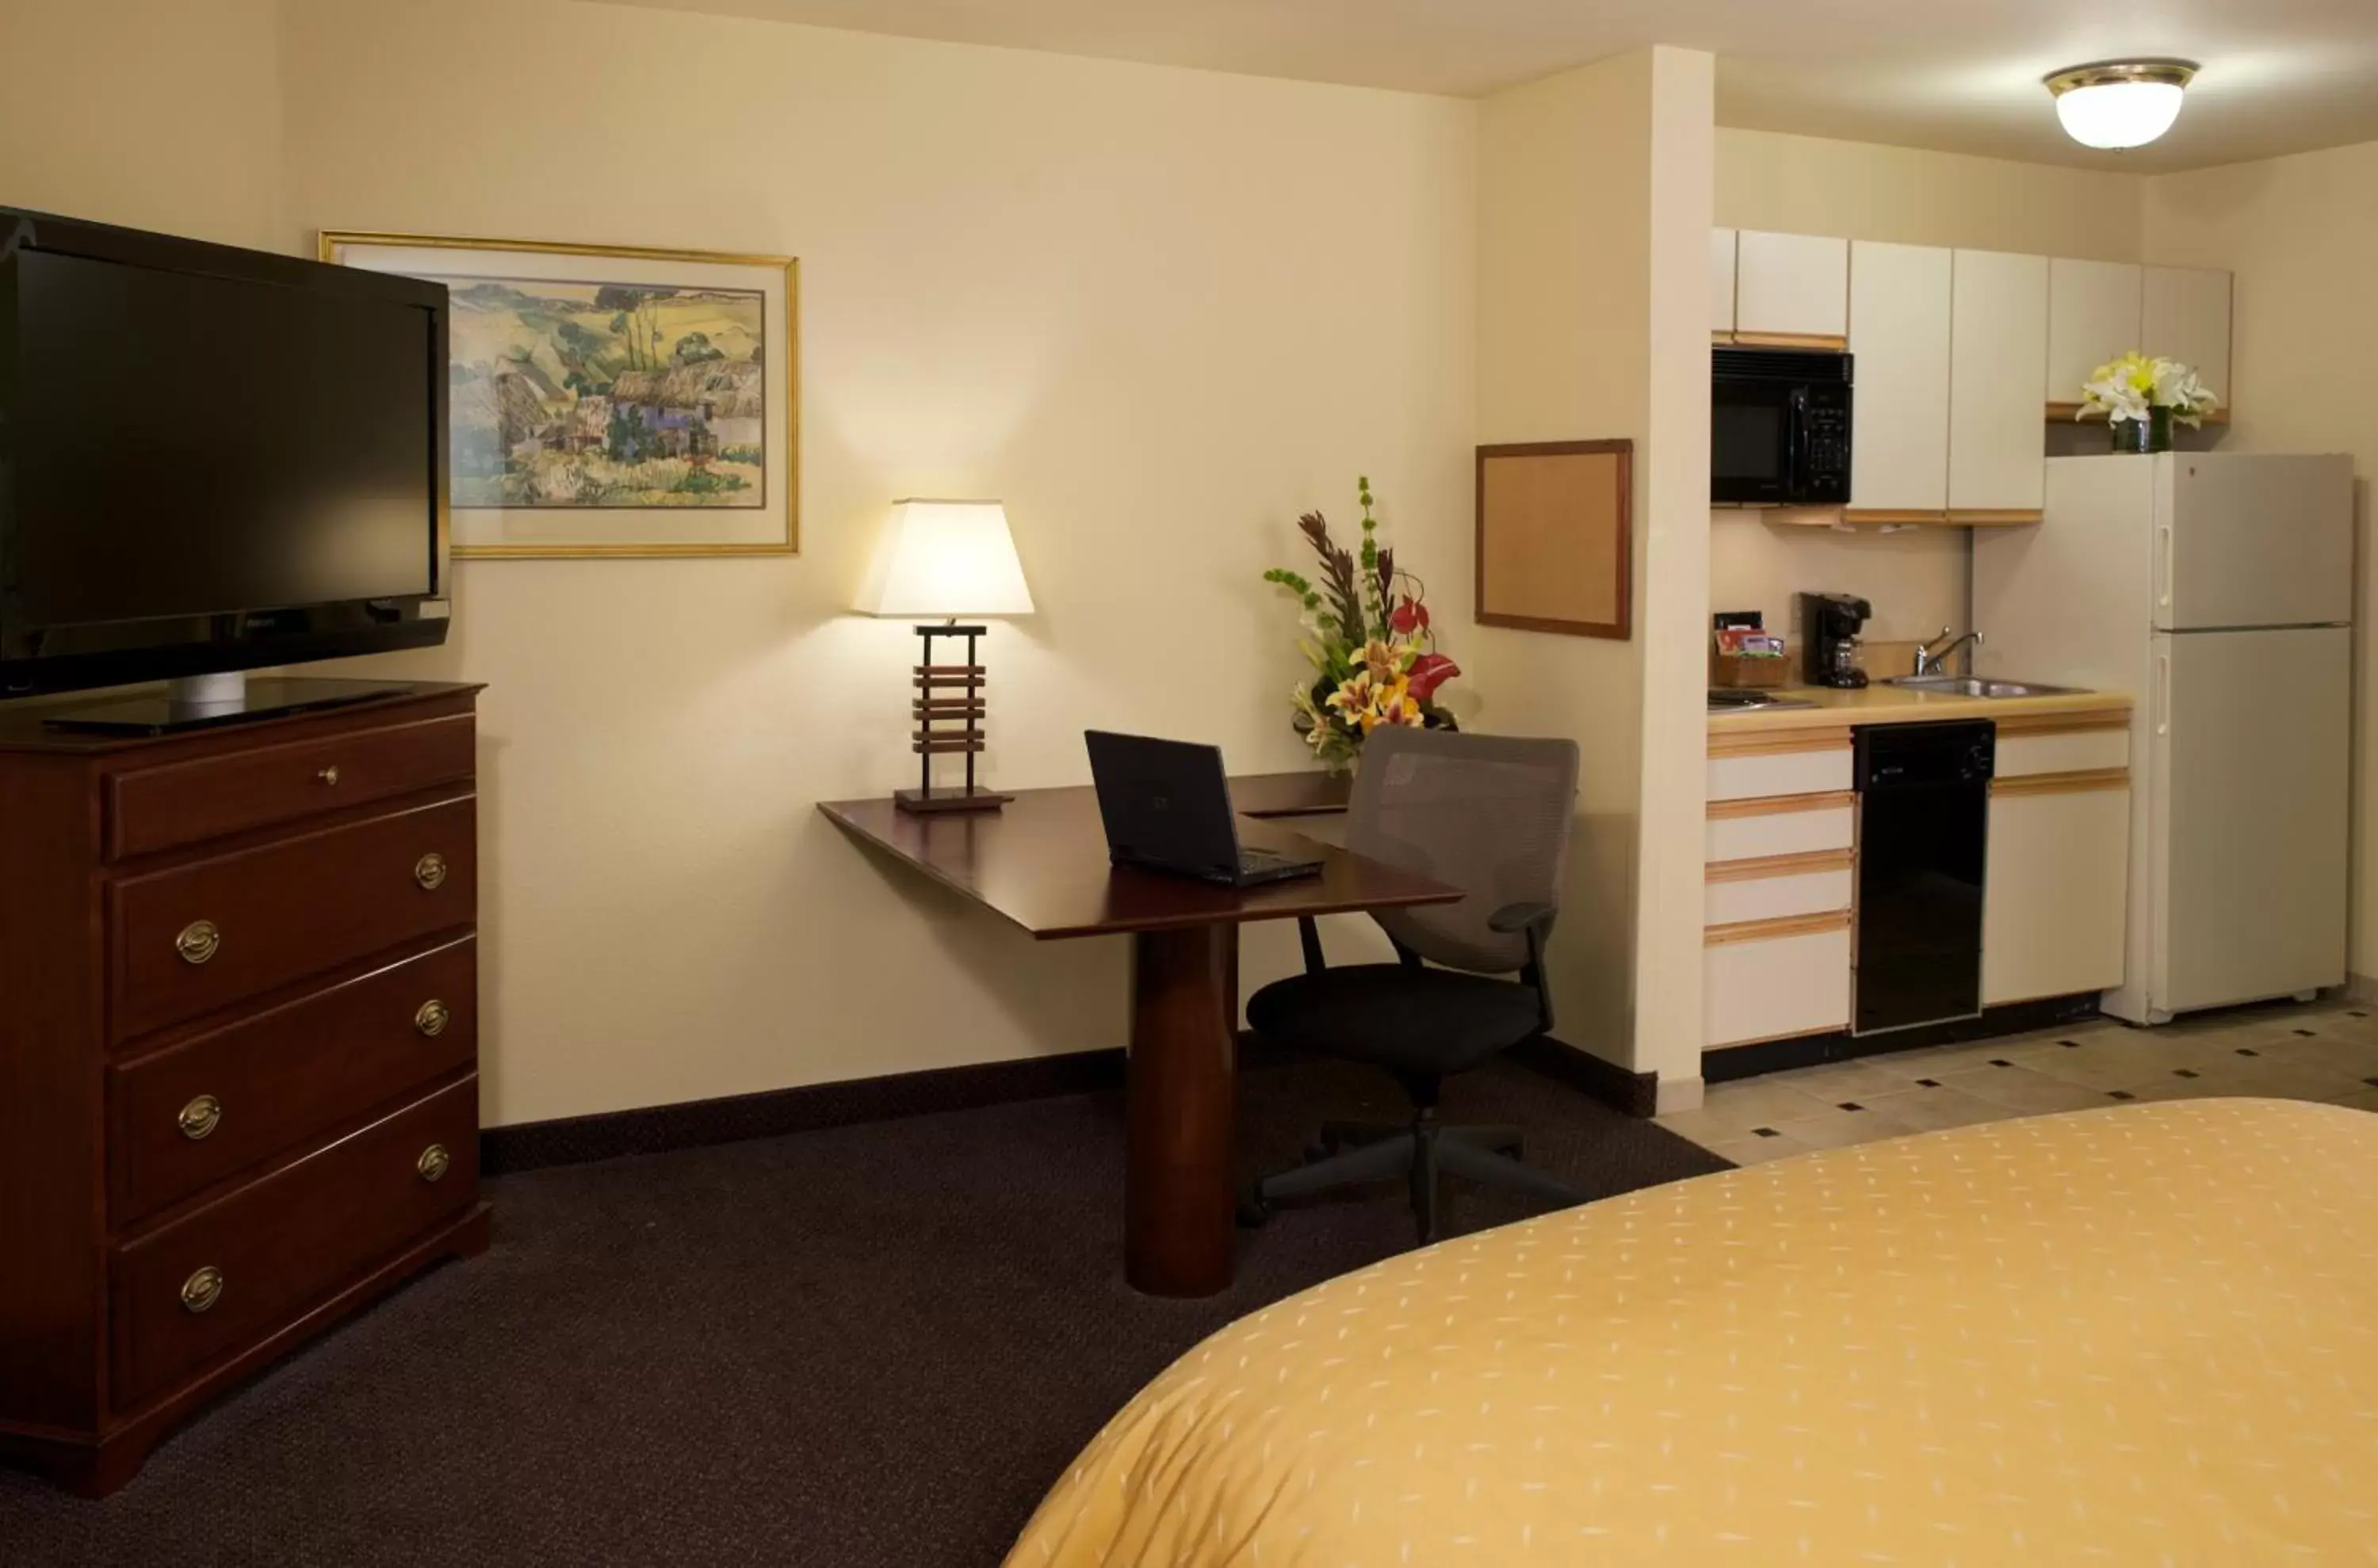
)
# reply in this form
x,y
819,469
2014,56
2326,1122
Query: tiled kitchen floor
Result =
x,y
2325,1051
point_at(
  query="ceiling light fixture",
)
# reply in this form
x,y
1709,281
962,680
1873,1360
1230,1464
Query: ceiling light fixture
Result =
x,y
2119,103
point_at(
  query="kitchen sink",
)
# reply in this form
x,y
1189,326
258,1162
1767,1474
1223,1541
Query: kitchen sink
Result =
x,y
1977,686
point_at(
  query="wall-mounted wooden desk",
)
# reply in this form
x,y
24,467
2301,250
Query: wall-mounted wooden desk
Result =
x,y
1042,863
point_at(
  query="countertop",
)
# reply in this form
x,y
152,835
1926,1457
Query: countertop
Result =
x,y
1897,704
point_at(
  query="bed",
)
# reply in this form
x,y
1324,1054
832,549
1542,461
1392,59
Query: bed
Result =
x,y
2141,1335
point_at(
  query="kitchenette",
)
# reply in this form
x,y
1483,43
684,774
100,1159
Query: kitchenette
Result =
x,y
1896,856
2004,727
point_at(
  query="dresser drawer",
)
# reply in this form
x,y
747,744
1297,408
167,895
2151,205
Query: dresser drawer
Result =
x,y
209,933
188,1116
236,1271
186,802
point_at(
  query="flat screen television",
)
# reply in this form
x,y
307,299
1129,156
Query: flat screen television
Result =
x,y
212,459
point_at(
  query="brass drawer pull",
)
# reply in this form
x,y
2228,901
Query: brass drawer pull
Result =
x,y
199,941
434,1162
201,1118
433,1018
430,870
203,1289
329,775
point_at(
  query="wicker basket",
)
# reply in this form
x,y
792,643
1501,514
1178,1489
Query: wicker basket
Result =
x,y
1734,670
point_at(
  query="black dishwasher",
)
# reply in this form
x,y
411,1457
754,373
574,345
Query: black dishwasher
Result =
x,y
1924,816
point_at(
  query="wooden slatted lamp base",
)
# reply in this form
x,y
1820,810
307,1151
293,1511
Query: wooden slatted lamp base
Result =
x,y
948,708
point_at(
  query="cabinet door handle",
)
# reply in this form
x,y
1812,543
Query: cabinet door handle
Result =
x,y
2163,693
201,1118
2163,564
430,870
433,1018
329,775
203,1290
434,1162
199,941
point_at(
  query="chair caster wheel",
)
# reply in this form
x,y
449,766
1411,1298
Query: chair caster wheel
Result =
x,y
1253,1211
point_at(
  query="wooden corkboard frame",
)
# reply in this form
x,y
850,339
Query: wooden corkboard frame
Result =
x,y
1555,545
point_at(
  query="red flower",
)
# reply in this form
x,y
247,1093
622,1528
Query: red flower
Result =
x,y
1428,672
1408,617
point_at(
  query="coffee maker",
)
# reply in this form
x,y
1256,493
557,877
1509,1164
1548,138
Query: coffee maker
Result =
x,y
1830,624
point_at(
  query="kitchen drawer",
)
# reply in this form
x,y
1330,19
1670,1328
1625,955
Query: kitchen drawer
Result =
x,y
211,932
223,1278
1735,899
1797,827
1814,772
186,802
188,1116
1776,986
2023,756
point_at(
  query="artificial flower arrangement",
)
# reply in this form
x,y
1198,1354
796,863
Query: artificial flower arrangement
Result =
x,y
1367,633
2151,393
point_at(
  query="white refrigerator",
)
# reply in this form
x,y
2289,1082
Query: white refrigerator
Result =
x,y
2216,589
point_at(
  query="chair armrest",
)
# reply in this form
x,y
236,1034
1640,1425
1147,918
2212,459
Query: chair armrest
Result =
x,y
1520,917
1536,922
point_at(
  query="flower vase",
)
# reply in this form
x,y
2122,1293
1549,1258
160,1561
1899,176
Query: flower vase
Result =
x,y
2151,434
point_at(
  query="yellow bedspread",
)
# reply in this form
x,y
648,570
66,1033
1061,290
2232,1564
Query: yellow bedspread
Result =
x,y
2136,1336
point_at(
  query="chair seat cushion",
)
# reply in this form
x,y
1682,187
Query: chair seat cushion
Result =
x,y
1407,1021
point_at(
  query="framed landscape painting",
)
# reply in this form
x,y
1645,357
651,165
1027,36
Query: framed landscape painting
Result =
x,y
612,400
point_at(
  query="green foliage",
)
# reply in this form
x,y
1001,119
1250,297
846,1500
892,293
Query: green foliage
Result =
x,y
695,348
704,481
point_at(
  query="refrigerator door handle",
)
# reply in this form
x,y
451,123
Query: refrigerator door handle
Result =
x,y
2163,561
2163,693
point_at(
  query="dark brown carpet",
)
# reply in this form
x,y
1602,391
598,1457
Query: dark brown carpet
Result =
x,y
872,1346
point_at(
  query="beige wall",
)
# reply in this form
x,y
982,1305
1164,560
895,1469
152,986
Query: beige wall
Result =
x,y
1158,313
1674,596
153,114
1862,190
1564,353
1593,214
1917,579
2301,235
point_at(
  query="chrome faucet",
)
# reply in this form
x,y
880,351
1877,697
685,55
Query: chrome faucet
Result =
x,y
1933,658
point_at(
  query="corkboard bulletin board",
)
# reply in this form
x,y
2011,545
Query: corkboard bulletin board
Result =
x,y
1556,544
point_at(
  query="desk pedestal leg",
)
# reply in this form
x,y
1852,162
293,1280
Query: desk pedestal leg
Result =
x,y
1178,1232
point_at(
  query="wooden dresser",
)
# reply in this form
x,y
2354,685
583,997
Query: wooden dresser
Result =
x,y
238,1054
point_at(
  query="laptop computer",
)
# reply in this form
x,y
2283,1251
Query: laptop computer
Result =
x,y
1167,807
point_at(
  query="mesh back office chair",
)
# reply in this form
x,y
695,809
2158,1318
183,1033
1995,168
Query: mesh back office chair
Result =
x,y
1488,815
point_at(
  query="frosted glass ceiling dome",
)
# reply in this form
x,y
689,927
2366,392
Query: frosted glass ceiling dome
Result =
x,y
2119,103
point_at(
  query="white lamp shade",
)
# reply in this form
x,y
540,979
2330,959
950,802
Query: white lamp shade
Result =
x,y
2119,113
946,557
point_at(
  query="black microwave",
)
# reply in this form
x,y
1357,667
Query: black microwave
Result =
x,y
1779,427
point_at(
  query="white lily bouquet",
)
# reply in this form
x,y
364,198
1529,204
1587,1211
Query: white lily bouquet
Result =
x,y
2150,394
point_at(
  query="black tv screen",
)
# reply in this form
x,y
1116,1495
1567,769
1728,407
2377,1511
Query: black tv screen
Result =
x,y
211,459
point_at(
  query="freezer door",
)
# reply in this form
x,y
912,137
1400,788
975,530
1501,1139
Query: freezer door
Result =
x,y
2245,540
2250,734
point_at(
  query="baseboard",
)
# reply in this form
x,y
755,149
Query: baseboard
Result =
x,y
652,1129
692,1124
1727,1064
2360,988
1636,1094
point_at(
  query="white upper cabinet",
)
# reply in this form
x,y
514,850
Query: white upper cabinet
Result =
x,y
1792,286
1900,297
1998,363
2187,319
1721,280
2095,309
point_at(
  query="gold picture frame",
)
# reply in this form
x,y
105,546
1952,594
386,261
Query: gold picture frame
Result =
x,y
499,529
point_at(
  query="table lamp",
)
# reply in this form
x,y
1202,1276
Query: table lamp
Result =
x,y
949,559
